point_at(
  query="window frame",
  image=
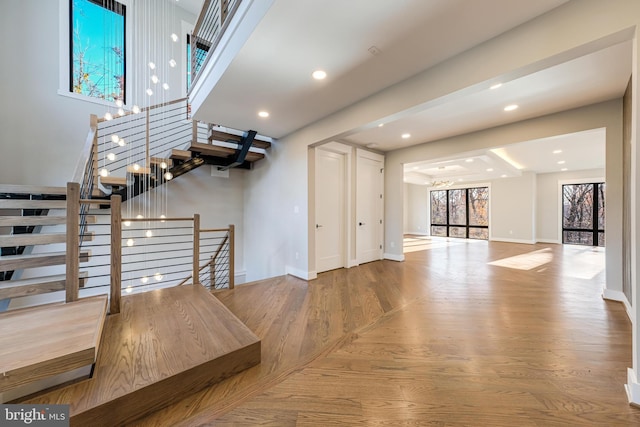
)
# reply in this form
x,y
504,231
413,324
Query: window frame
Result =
x,y
448,225
65,57
595,229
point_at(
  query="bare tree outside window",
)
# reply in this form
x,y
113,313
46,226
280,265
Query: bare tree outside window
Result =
x,y
460,213
97,44
583,214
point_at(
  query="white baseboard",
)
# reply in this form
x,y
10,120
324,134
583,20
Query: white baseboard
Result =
x,y
352,263
502,239
301,274
553,242
417,233
240,277
632,387
619,296
394,257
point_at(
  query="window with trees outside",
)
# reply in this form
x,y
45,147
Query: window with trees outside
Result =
x,y
460,212
202,50
583,214
97,49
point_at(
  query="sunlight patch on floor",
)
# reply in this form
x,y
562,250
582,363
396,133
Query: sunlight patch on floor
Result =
x,y
528,261
413,243
586,262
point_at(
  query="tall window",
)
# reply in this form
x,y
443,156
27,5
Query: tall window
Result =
x,y
460,213
97,49
583,214
202,49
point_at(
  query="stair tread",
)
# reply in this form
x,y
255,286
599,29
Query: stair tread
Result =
x,y
142,170
229,137
180,154
10,221
114,181
28,239
29,351
32,204
31,189
217,151
17,262
36,285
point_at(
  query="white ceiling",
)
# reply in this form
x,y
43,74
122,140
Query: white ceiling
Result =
x,y
273,70
191,6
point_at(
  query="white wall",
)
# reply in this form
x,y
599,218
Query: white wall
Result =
x,y
548,210
512,209
417,203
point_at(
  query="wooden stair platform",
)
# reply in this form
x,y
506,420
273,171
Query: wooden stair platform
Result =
x,y
162,346
217,151
36,285
32,204
114,181
47,340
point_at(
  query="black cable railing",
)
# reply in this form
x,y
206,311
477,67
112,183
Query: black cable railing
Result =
x,y
211,24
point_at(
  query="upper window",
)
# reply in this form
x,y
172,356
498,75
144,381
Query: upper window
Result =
x,y
97,49
202,49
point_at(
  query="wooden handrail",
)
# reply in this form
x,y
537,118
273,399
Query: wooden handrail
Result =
x,y
142,110
230,235
86,150
156,219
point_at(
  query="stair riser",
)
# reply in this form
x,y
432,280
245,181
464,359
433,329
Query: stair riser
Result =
x,y
9,264
32,204
37,239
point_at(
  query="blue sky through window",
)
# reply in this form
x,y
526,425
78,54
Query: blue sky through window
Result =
x,y
98,49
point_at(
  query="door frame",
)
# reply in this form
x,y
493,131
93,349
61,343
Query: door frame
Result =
x,y
348,221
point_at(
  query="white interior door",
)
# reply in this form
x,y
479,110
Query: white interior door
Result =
x,y
330,210
369,206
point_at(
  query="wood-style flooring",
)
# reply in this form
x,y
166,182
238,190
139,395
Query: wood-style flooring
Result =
x,y
462,333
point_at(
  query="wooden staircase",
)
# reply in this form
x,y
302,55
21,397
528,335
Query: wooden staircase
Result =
x,y
30,354
222,149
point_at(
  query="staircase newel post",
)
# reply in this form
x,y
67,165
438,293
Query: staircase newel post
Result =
x,y
72,281
196,249
231,256
116,254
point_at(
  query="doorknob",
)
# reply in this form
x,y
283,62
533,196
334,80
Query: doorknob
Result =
x,y
361,223
318,226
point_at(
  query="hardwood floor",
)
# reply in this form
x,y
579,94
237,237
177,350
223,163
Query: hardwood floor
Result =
x,y
461,333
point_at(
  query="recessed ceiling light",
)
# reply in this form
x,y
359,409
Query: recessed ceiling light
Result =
x,y
406,135
490,170
495,86
503,176
557,151
380,125
371,145
263,113
469,160
415,168
511,107
561,162
459,179
564,169
319,75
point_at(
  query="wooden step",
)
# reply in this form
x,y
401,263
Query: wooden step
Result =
x,y
217,151
30,239
114,181
31,189
46,340
18,262
180,154
32,204
12,221
236,139
36,285
158,160
142,170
